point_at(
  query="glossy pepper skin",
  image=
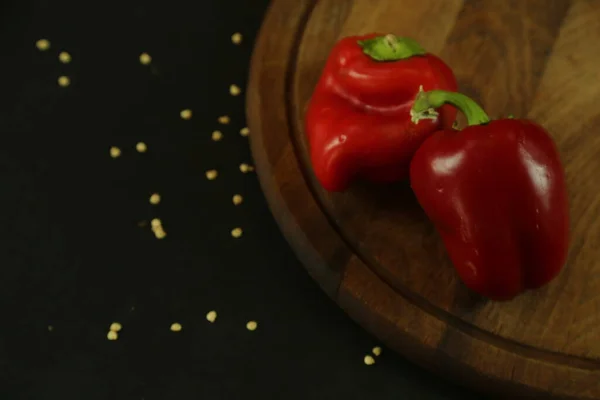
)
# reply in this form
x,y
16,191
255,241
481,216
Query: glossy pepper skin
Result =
x,y
496,192
358,118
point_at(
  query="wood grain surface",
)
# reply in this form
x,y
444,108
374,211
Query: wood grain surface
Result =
x,y
373,250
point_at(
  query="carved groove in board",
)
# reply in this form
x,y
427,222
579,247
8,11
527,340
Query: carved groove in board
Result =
x,y
343,253
267,158
470,352
463,326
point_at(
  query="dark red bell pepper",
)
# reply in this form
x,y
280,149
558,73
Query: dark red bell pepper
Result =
x,y
496,192
358,118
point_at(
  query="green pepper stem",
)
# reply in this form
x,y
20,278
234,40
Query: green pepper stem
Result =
x,y
426,102
390,48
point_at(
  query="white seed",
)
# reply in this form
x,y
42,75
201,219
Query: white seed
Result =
x,y
159,233
234,90
211,174
176,327
244,131
237,199
377,351
251,325
155,223
155,198
64,81
64,57
211,316
42,44
115,152
217,135
236,38
112,335
141,147
236,232
145,58
246,168
369,360
224,119
186,114
115,326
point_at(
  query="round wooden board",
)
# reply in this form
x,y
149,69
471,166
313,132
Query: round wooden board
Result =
x,y
373,250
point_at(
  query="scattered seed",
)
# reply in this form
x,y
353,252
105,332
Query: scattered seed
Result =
x,y
236,232
115,327
211,316
237,199
234,90
186,114
64,81
246,168
64,57
176,327
377,351
115,152
155,223
217,135
159,233
224,119
155,198
42,44
244,131
141,147
251,325
145,58
236,38
50,328
112,335
369,360
211,174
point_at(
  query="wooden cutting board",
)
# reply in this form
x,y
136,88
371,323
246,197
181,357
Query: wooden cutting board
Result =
x,y
373,250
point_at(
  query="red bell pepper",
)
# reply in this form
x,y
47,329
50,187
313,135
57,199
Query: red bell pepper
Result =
x,y
358,118
496,193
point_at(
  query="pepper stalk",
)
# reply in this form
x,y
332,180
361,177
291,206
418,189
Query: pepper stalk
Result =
x,y
391,48
426,103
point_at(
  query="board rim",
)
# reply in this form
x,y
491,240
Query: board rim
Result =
x,y
332,283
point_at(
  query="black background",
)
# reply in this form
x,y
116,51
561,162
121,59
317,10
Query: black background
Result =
x,y
73,256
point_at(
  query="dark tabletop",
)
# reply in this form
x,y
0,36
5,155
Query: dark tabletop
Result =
x,y
77,252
